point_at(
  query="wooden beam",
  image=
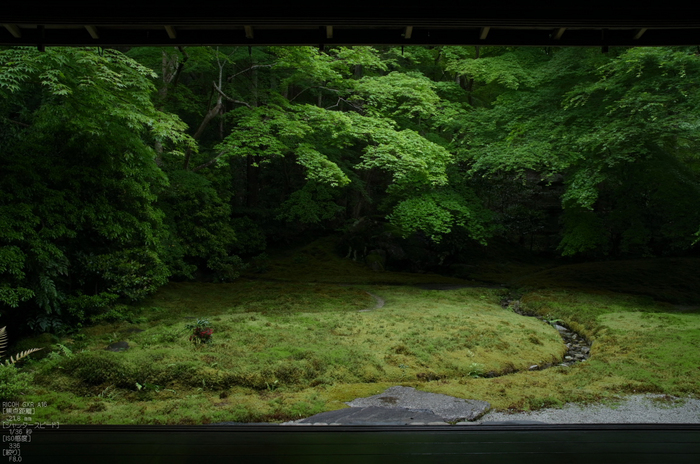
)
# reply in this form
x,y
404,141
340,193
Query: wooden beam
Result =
x,y
172,33
248,32
92,30
329,32
557,35
408,32
14,30
369,36
484,32
639,33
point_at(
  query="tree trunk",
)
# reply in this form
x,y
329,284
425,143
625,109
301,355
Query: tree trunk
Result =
x,y
357,74
254,87
470,83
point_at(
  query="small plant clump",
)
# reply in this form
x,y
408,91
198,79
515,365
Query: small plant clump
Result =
x,y
201,332
12,382
18,356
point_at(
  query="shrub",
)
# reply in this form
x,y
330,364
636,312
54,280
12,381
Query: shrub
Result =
x,y
12,382
201,332
17,357
97,368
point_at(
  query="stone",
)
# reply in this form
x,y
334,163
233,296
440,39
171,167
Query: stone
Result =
x,y
375,415
534,367
447,407
118,346
514,422
134,330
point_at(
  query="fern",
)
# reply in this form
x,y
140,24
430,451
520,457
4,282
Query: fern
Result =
x,y
3,340
17,357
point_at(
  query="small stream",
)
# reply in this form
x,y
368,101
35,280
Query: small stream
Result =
x,y
578,349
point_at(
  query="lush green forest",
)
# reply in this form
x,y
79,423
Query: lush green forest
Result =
x,y
122,170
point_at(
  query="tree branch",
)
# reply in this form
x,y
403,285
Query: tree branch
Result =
x,y
358,108
17,122
295,96
232,100
313,87
211,114
208,163
176,78
230,78
171,77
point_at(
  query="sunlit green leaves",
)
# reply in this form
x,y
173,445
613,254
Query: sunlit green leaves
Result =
x,y
405,97
438,213
349,57
319,168
512,69
413,161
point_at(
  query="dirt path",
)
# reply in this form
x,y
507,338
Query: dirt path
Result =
x,y
379,303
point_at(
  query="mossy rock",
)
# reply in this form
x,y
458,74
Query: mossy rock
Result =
x,y
184,373
99,367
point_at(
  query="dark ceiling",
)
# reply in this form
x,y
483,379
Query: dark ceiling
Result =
x,y
356,22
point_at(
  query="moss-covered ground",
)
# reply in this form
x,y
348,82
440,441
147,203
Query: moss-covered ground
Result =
x,y
293,342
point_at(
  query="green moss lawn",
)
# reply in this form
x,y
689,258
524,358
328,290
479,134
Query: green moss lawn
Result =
x,y
293,342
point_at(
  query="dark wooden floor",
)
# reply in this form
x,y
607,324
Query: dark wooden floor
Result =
x,y
561,444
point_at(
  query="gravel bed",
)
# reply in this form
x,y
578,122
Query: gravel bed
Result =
x,y
634,409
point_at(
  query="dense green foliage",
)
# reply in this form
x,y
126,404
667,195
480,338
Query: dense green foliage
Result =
x,y
621,130
123,170
79,228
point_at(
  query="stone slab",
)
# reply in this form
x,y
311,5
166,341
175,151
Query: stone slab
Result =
x,y
118,346
373,415
448,408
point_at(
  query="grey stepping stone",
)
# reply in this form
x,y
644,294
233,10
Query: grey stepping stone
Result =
x,y
448,408
118,346
514,422
373,415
